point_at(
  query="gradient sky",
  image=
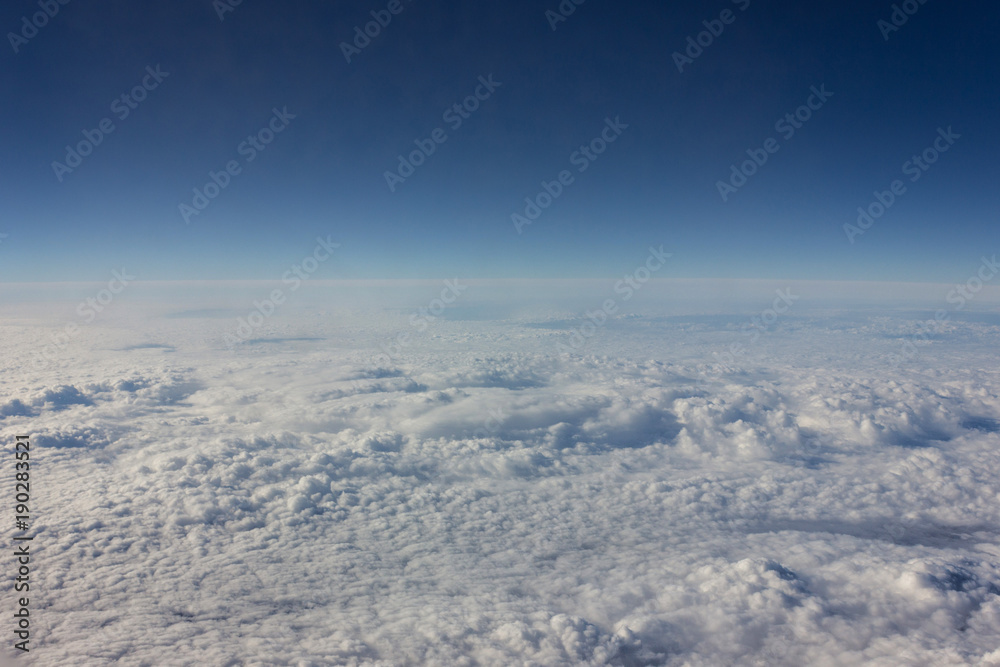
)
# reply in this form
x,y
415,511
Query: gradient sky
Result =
x,y
324,174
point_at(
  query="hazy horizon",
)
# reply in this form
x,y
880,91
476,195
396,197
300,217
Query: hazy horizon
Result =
x,y
565,333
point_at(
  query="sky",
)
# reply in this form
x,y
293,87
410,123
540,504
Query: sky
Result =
x,y
346,107
567,332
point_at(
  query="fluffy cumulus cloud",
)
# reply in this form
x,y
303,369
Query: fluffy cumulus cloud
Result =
x,y
479,498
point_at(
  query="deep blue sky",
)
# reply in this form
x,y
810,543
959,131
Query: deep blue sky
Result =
x,y
324,174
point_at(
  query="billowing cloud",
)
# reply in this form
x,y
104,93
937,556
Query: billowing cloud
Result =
x,y
482,499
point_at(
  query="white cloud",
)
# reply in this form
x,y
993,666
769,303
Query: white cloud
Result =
x,y
482,501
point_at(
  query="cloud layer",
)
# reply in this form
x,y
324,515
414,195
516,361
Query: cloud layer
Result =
x,y
480,499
